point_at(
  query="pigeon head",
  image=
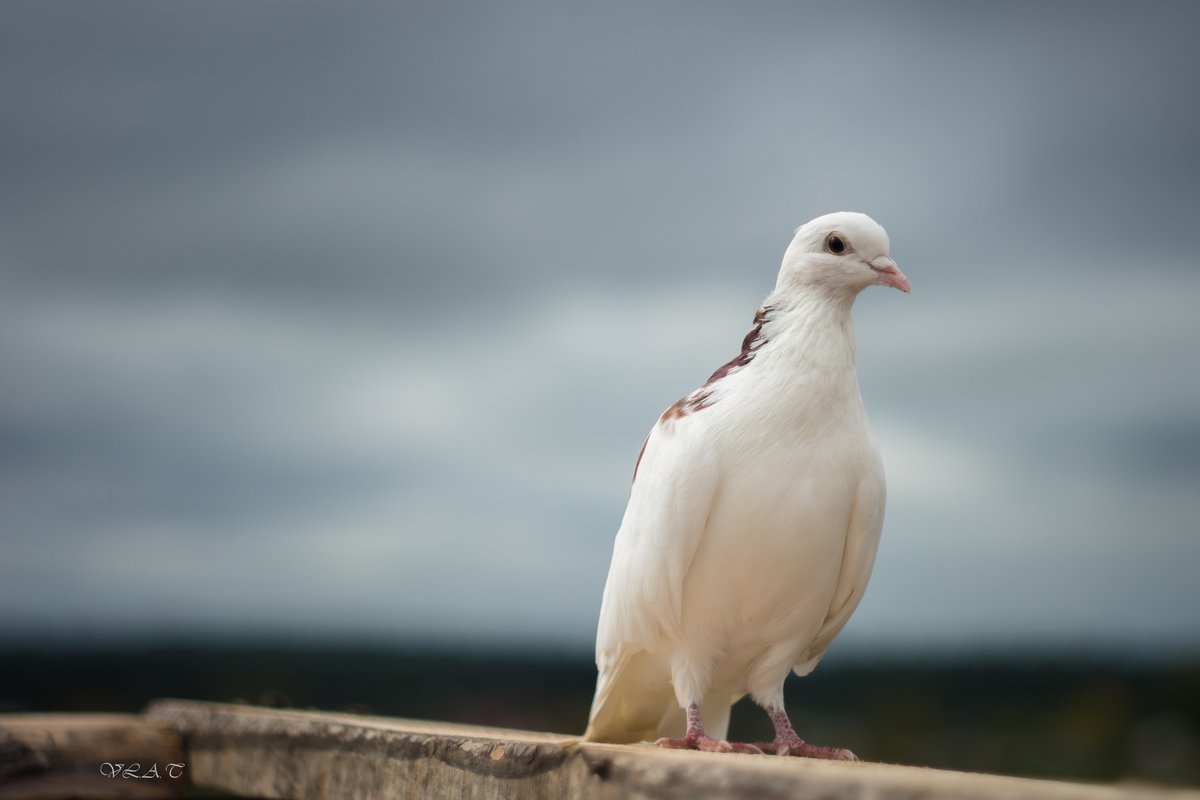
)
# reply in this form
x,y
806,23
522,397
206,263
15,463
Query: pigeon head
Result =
x,y
839,254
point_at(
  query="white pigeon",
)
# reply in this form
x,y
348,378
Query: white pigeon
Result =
x,y
754,516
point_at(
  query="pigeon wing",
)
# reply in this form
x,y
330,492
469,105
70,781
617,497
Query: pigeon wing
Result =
x,y
674,485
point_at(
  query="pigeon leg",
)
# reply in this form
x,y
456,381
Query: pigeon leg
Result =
x,y
787,743
697,739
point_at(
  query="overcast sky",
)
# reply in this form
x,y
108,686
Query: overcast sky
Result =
x,y
351,318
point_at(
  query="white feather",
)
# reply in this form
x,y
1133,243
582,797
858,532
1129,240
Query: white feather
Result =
x,y
753,520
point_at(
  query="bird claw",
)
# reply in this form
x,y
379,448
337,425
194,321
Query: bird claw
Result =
x,y
709,745
801,748
705,743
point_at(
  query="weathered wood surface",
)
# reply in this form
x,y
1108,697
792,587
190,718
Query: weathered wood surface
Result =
x,y
301,755
89,756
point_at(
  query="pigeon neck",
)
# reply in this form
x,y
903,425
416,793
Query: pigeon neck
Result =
x,y
813,326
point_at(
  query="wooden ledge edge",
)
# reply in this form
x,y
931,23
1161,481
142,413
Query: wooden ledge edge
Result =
x,y
90,756
277,753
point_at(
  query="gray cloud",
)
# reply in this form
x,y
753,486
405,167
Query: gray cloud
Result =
x,y
355,318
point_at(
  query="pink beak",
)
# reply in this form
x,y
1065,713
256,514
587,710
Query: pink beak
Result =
x,y
890,274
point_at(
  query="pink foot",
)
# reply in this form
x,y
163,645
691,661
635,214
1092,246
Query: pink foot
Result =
x,y
708,745
705,743
795,746
697,739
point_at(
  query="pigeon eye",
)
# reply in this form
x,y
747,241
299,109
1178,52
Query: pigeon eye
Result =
x,y
835,244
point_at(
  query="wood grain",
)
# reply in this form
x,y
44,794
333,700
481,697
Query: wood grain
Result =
x,y
50,756
308,755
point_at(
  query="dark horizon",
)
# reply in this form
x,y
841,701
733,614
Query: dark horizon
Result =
x,y
1070,717
22,641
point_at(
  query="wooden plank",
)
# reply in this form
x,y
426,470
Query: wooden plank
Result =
x,y
295,755
86,756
